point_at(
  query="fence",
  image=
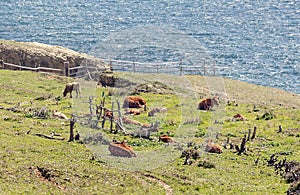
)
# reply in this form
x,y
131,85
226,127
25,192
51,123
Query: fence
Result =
x,y
79,71
88,67
177,68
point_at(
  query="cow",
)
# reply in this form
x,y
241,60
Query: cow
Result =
x,y
108,114
59,115
107,79
134,102
132,111
121,149
166,139
130,121
213,148
208,103
156,110
239,117
70,87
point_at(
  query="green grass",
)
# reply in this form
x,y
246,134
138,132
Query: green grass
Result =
x,y
76,168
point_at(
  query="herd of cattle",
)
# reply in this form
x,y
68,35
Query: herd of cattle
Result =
x,y
132,105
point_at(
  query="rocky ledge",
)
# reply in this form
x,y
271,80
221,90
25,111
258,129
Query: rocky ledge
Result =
x,y
32,54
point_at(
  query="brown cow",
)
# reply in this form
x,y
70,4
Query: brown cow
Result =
x,y
133,111
134,102
213,148
108,113
121,149
130,121
208,103
239,117
166,139
70,87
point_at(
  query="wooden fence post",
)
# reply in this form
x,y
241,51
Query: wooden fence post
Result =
x,y
72,123
180,67
119,113
254,133
22,62
37,66
133,66
69,69
249,133
112,117
110,65
66,70
2,64
103,122
91,105
280,129
243,144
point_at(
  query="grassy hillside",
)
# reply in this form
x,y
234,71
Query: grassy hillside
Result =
x,y
30,164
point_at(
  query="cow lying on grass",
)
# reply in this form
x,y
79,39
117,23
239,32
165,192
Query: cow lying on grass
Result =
x,y
121,149
239,117
213,148
166,139
133,111
130,121
208,103
156,110
134,102
70,87
59,115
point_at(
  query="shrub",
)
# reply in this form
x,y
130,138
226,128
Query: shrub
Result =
x,y
206,164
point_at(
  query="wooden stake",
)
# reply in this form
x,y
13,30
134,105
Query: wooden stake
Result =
x,y
254,133
249,132
243,144
280,129
112,117
72,123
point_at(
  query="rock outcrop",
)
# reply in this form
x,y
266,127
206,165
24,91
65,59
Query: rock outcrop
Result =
x,y
32,54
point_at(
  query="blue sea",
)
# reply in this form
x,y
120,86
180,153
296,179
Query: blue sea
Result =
x,y
256,41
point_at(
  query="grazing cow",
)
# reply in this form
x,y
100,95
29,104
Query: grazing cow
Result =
x,y
121,149
208,103
70,87
213,148
134,102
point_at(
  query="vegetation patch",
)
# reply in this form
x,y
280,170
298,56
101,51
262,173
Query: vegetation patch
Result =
x,y
289,170
35,165
206,164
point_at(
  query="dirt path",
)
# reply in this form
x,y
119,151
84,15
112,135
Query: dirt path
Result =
x,y
168,189
43,175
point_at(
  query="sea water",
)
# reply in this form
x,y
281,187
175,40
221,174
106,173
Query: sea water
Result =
x,y
256,41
